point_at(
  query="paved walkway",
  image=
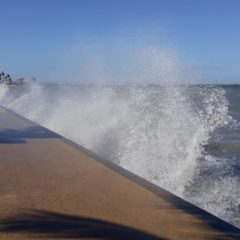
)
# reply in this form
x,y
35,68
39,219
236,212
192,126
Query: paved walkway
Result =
x,y
52,188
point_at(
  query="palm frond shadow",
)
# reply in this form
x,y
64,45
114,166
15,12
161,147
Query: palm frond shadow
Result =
x,y
55,225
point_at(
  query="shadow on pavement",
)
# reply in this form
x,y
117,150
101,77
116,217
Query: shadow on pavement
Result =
x,y
55,225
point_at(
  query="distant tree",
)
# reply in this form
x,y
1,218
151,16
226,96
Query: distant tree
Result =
x,y
2,77
6,79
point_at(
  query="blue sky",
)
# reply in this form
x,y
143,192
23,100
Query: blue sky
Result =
x,y
80,40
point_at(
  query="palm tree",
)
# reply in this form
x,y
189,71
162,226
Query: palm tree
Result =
x,y
2,74
8,79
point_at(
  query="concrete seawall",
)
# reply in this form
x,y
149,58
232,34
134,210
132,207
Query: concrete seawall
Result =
x,y
53,188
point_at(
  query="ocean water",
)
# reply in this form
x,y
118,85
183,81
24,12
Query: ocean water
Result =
x,y
184,138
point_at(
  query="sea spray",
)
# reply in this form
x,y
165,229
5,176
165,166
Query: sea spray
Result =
x,y
157,132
